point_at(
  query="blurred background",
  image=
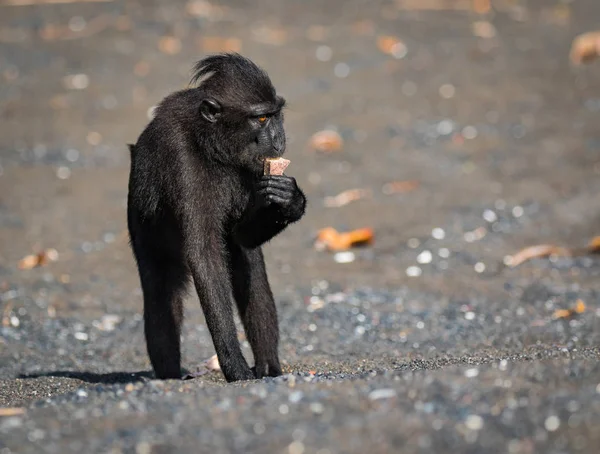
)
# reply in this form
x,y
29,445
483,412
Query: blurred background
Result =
x,y
445,134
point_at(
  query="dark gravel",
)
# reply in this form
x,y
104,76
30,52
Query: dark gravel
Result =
x,y
424,342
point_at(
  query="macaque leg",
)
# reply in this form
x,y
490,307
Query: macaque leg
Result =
x,y
257,308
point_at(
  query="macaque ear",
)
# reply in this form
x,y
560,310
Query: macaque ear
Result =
x,y
210,110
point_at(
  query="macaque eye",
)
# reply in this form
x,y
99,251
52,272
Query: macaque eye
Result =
x,y
262,119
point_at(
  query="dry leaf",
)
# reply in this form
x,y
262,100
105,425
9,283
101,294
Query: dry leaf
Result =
x,y
267,35
12,411
169,45
585,48
435,5
327,141
537,251
217,44
398,187
392,46
41,259
332,240
346,197
579,308
484,29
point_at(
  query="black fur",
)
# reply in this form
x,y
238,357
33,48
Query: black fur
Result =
x,y
199,209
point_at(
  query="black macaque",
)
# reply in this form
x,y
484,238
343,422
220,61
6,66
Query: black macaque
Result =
x,y
199,208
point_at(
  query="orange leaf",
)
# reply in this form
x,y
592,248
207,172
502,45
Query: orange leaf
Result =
x,y
540,250
329,238
326,141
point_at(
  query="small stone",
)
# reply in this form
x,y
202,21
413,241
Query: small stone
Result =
x,y
63,173
81,393
424,257
552,423
324,53
284,409
447,91
472,372
518,211
490,216
474,422
413,243
317,408
479,267
413,271
470,315
444,253
344,257
81,336
295,397
296,447
469,132
341,70
385,393
438,233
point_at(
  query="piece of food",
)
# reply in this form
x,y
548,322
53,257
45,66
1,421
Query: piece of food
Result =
x,y
276,166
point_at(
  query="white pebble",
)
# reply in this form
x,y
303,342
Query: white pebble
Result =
x,y
472,372
552,423
444,253
445,127
518,211
81,336
341,70
359,330
424,257
413,271
296,447
447,91
284,409
438,233
295,397
63,173
490,216
474,422
72,155
413,243
317,408
385,393
469,132
324,53
420,325
470,315
14,321
399,50
479,267
344,257
81,393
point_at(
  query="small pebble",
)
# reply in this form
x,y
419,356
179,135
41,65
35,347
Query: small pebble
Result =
x,y
424,257
81,393
444,253
490,216
63,173
469,132
317,408
479,267
344,257
470,315
474,422
81,336
413,271
324,53
284,409
295,397
296,447
518,211
447,91
552,423
438,233
341,70
413,243
382,394
472,372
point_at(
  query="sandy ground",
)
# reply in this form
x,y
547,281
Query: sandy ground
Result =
x,y
425,342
